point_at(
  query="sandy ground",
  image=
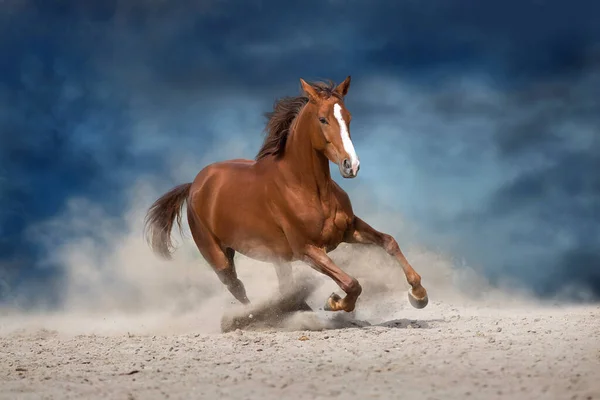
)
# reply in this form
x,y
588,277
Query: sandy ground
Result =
x,y
444,351
487,345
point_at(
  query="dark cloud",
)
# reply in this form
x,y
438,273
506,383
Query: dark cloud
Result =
x,y
95,94
541,221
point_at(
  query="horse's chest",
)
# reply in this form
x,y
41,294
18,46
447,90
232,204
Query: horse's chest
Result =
x,y
335,225
322,222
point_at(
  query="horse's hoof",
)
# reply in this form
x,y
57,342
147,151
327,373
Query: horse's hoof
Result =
x,y
330,305
417,303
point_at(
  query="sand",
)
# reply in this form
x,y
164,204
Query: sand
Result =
x,y
446,351
487,344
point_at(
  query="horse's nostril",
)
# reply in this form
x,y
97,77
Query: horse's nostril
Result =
x,y
346,164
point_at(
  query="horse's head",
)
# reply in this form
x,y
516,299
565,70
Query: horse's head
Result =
x,y
333,119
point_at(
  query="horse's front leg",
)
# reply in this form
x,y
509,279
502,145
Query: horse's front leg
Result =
x,y
363,233
319,260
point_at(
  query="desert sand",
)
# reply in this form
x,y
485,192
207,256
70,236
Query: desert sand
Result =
x,y
471,341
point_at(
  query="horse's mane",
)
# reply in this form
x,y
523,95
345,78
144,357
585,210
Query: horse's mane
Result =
x,y
285,110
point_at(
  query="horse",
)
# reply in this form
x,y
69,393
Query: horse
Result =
x,y
283,206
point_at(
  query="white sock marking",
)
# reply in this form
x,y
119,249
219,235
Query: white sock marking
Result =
x,y
348,146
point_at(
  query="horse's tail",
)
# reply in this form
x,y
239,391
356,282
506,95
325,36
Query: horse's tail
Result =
x,y
160,217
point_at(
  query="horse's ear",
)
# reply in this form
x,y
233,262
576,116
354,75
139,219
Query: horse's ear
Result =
x,y
342,88
309,90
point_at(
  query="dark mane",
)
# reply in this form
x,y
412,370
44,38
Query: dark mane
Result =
x,y
280,119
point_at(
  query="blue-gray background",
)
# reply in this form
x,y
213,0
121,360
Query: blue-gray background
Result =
x,y
478,121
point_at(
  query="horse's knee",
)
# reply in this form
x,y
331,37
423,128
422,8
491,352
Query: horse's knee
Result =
x,y
390,245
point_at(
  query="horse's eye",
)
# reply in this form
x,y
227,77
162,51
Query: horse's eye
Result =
x,y
323,120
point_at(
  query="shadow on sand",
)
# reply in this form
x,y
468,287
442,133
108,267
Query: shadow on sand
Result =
x,y
288,312
341,321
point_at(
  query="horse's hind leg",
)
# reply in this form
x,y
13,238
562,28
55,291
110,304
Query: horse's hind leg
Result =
x,y
223,264
229,278
286,282
220,259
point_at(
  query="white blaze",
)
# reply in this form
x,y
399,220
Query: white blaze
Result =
x,y
348,146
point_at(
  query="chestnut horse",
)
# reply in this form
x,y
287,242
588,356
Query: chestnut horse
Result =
x,y
283,206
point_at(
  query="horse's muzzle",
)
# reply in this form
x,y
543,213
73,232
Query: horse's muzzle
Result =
x,y
349,169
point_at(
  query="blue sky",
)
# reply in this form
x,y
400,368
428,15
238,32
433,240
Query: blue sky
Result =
x,y
477,122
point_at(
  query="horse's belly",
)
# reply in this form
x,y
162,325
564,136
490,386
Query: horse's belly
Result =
x,y
267,248
254,235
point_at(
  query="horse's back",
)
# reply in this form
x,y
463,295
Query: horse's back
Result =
x,y
223,179
227,167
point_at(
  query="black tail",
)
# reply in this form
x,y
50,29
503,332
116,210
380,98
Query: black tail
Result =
x,y
160,217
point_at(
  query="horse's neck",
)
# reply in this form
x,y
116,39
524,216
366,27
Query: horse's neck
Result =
x,y
309,166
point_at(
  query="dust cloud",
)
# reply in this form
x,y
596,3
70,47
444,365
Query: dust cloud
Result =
x,y
113,284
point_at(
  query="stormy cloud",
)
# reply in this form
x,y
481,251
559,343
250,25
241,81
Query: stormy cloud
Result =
x,y
478,122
